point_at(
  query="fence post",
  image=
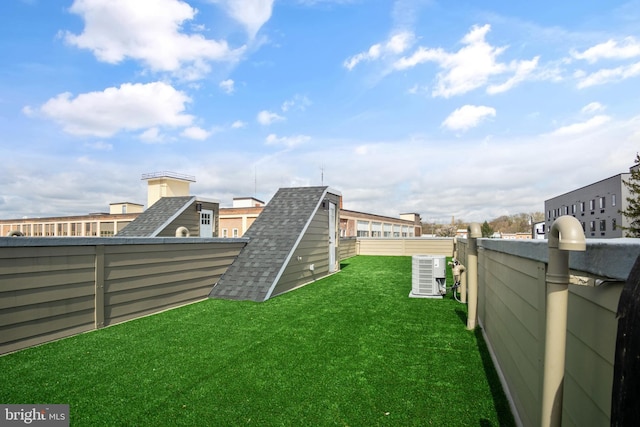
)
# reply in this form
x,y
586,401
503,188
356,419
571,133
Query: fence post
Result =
x,y
455,247
472,274
99,287
463,287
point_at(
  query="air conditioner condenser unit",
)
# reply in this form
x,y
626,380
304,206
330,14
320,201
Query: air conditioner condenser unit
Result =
x,y
428,276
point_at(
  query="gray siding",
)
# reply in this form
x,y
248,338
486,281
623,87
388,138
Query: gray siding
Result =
x,y
348,247
512,308
511,301
46,293
312,249
142,279
273,237
57,287
190,218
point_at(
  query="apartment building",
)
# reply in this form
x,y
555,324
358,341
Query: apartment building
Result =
x,y
597,206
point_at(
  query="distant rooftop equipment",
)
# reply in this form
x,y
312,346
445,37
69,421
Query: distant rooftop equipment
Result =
x,y
166,184
428,276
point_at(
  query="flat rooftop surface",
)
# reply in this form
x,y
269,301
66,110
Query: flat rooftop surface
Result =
x,y
350,349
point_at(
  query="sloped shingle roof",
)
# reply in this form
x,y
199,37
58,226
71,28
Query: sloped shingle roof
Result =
x,y
150,222
272,238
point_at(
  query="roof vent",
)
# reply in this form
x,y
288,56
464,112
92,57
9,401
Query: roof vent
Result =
x,y
182,232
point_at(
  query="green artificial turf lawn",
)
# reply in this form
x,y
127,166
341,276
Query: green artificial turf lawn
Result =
x,y
351,349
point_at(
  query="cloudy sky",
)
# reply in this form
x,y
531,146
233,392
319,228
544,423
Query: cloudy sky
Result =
x,y
445,108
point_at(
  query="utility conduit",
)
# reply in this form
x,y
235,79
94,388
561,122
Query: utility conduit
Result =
x,y
566,235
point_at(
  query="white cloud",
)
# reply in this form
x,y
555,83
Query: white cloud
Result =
x,y
417,89
395,45
421,55
523,70
629,47
470,67
152,135
267,117
361,150
607,75
129,107
582,127
298,102
238,124
287,141
400,42
99,145
195,132
252,14
148,31
592,107
27,111
468,116
404,168
227,86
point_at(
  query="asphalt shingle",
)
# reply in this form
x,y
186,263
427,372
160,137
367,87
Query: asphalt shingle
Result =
x,y
149,222
271,239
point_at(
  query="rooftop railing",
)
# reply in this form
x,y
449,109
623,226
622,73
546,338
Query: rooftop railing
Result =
x,y
168,174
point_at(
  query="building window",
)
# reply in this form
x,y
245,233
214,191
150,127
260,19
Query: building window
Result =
x,y
592,226
549,214
592,204
613,200
235,232
124,209
601,202
573,208
603,225
581,206
205,218
363,229
613,224
566,210
584,228
225,232
376,229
